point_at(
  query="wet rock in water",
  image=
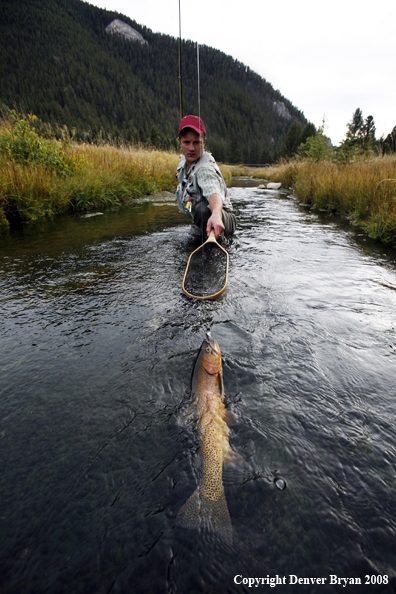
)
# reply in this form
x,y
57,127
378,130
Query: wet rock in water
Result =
x,y
274,185
280,483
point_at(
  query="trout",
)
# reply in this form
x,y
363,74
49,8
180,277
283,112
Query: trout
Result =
x,y
207,506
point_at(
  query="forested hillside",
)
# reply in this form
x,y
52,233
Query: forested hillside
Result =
x,y
58,62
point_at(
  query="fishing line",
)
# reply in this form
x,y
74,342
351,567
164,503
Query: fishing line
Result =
x,y
199,115
199,89
180,76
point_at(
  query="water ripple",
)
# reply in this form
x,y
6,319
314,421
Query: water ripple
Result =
x,y
98,346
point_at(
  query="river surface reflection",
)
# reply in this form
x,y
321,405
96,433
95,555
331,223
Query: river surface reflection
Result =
x,y
98,343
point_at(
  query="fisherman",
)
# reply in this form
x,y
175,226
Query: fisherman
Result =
x,y
202,192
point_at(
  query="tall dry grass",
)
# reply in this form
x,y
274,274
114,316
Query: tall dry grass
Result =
x,y
112,176
364,191
41,177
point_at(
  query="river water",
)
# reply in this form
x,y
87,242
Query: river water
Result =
x,y
98,344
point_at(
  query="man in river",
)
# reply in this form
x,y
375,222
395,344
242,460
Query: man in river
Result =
x,y
202,192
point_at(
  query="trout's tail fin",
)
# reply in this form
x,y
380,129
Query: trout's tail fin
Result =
x,y
200,512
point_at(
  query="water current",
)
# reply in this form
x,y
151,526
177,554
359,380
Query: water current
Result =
x,y
98,344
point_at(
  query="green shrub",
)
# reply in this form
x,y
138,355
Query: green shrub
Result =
x,y
20,142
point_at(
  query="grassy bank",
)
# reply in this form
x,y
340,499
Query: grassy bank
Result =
x,y
42,177
364,191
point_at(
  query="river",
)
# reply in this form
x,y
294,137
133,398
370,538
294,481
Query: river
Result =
x,y
98,344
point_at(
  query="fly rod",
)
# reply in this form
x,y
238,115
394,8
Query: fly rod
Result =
x,y
180,76
199,89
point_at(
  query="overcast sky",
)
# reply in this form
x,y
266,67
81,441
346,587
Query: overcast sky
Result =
x,y
327,58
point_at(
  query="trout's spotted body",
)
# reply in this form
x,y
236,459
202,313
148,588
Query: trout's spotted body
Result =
x,y
207,506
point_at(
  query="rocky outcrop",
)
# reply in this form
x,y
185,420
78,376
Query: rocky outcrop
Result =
x,y
125,30
281,109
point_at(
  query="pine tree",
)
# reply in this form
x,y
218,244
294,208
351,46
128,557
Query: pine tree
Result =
x,y
293,139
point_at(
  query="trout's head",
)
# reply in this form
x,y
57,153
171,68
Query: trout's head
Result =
x,y
211,355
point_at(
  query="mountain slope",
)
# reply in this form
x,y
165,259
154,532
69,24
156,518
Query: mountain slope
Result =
x,y
57,61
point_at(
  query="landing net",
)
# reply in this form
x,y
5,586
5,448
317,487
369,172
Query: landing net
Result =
x,y
206,272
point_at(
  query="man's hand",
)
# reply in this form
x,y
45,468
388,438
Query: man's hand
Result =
x,y
215,221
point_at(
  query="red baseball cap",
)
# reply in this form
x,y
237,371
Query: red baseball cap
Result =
x,y
193,122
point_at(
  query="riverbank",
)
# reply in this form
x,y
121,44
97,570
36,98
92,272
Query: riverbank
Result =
x,y
41,177
363,191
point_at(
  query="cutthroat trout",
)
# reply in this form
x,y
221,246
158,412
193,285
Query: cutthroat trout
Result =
x,y
207,506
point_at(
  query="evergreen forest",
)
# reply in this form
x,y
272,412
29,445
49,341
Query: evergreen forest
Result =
x,y
58,62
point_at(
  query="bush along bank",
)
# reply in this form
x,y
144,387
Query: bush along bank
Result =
x,y
364,191
42,177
